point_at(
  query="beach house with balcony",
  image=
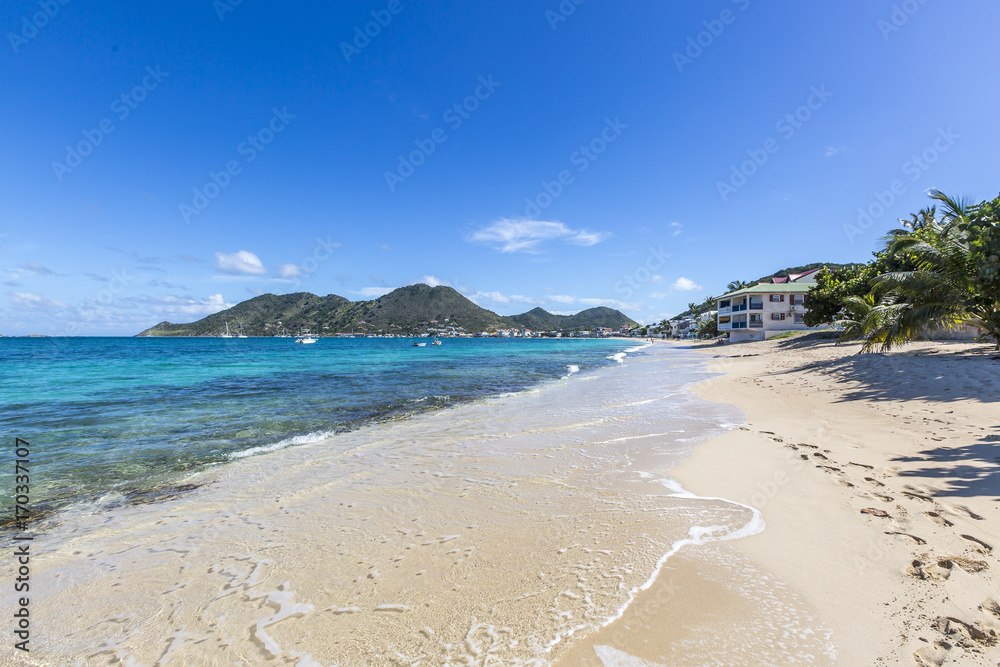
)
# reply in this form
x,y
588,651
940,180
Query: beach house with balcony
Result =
x,y
766,309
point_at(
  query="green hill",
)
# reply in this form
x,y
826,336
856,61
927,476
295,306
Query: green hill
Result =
x,y
539,319
407,310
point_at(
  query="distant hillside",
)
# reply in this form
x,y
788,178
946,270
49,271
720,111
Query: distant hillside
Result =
x,y
406,310
540,319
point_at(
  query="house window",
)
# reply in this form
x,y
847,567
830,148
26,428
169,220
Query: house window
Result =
x,y
798,318
756,317
724,304
756,303
777,317
798,299
777,298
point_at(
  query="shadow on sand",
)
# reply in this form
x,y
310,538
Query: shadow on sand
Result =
x,y
881,377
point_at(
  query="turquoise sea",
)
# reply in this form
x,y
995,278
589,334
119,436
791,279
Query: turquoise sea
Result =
x,y
127,419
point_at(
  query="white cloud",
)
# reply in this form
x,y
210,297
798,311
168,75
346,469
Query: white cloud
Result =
x,y
833,150
521,235
656,278
242,262
289,271
495,297
29,300
187,306
587,238
434,281
683,284
562,298
374,292
676,228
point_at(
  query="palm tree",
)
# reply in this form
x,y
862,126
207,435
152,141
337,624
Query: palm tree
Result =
x,y
944,290
737,285
708,303
920,220
692,307
858,320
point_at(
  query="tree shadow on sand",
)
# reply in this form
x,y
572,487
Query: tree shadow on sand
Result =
x,y
882,377
971,470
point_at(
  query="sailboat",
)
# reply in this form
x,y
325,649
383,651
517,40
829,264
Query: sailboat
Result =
x,y
227,334
241,334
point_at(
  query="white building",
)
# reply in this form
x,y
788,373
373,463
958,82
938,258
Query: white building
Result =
x,y
766,309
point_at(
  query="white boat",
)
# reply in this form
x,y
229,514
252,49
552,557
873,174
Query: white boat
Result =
x,y
436,342
306,340
241,334
227,334
420,345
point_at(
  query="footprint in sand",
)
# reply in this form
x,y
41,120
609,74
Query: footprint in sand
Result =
x,y
913,538
883,498
939,520
933,655
941,568
918,496
874,481
978,544
965,511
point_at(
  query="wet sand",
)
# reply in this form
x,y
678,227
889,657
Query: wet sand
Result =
x,y
486,534
877,477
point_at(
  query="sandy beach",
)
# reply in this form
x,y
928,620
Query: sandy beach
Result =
x,y
876,478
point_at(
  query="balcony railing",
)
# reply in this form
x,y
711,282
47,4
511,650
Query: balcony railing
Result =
x,y
756,306
739,325
725,311
739,309
756,325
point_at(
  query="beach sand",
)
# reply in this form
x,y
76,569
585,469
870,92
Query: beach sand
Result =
x,y
915,435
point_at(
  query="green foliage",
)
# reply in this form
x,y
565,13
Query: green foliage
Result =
x,y
933,273
406,310
709,328
539,319
787,334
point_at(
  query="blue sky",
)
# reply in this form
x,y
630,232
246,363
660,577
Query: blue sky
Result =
x,y
163,162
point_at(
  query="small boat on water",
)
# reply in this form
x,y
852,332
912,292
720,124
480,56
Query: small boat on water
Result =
x,y
305,338
436,342
420,345
227,334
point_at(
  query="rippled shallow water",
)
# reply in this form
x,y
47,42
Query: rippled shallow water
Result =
x,y
128,415
487,533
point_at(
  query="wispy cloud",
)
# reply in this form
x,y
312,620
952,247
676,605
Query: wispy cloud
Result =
x,y
373,292
833,150
240,263
31,268
676,228
172,306
289,271
30,300
522,235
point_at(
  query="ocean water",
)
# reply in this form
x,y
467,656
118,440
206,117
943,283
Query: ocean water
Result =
x,y
484,504
121,418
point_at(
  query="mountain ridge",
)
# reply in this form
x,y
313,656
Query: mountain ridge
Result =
x,y
404,311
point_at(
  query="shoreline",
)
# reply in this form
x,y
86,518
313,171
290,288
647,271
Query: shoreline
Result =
x,y
566,474
829,434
